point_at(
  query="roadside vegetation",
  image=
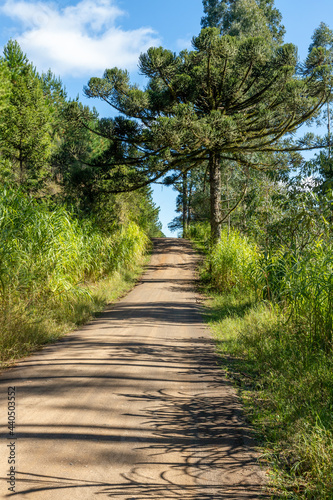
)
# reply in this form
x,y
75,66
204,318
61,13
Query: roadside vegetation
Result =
x,y
271,314
57,270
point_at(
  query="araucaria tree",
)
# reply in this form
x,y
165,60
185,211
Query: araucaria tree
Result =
x,y
243,17
228,98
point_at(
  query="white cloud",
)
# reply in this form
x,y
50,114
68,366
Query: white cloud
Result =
x,y
185,43
79,39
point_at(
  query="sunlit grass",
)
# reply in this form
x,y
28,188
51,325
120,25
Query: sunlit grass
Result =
x,y
56,271
287,392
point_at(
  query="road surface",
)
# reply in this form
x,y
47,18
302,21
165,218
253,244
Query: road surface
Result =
x,y
131,407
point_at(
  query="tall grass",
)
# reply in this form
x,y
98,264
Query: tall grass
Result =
x,y
302,284
287,390
272,316
48,258
231,261
309,293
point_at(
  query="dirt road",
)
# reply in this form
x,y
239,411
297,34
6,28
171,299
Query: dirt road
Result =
x,y
132,406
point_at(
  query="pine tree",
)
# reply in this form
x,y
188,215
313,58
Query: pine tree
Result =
x,y
25,140
5,84
243,17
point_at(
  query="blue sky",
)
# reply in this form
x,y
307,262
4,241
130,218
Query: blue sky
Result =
x,y
78,39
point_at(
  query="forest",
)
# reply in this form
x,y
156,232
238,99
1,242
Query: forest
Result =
x,y
220,123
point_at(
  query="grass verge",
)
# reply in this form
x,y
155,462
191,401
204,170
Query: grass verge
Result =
x,y
286,388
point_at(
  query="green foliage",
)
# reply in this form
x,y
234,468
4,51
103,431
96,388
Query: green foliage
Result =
x,y
64,239
232,96
246,19
322,37
48,257
287,389
25,123
231,260
243,17
301,284
320,168
200,234
16,60
273,318
46,252
4,86
74,161
308,290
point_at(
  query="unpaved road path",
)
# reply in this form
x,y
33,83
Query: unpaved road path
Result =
x,y
132,406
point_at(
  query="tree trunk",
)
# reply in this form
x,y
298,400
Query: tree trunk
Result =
x,y
228,201
185,205
215,196
189,202
329,129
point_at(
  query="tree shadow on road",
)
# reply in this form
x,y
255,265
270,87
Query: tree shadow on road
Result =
x,y
204,428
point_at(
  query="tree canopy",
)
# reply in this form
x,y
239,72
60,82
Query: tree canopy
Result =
x,y
243,17
228,98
